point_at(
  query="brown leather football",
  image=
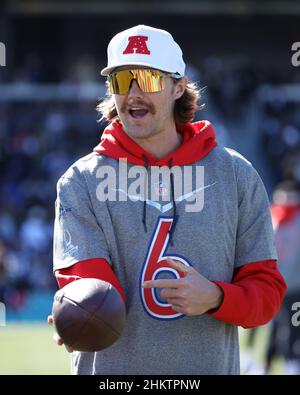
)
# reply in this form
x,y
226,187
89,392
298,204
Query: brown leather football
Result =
x,y
89,314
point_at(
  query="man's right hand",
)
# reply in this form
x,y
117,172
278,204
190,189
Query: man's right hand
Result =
x,y
56,338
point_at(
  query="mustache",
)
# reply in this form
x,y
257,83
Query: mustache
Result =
x,y
138,103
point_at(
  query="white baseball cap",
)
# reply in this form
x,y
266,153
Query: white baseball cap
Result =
x,y
145,46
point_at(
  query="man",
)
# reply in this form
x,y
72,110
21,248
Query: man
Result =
x,y
179,225
284,337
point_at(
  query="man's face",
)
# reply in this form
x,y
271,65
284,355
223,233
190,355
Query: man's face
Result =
x,y
144,115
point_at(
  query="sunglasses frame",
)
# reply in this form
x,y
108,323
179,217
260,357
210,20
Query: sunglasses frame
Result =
x,y
162,74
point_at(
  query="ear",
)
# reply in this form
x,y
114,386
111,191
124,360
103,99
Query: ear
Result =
x,y
180,87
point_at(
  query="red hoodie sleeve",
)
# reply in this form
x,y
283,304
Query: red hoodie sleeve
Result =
x,y
253,297
90,268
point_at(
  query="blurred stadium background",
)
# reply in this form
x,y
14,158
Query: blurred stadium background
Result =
x,y
240,51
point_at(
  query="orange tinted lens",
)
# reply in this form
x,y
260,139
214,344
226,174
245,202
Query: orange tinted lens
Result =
x,y
148,81
119,82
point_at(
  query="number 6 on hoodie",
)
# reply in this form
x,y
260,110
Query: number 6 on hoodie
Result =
x,y
155,264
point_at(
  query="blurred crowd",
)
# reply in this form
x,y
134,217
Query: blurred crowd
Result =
x,y
38,142
280,137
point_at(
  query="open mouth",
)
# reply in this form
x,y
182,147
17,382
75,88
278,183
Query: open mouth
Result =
x,y
138,113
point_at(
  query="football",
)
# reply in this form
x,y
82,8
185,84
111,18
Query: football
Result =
x,y
89,314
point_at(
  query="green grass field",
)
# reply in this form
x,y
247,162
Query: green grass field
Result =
x,y
30,349
260,344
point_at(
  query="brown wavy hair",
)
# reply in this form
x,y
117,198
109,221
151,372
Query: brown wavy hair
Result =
x,y
185,107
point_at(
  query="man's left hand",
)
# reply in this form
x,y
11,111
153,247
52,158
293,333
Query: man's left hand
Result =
x,y
192,294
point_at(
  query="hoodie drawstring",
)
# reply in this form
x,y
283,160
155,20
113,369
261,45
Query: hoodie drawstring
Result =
x,y
144,220
172,228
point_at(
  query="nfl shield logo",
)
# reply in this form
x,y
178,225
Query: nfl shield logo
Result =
x,y
161,190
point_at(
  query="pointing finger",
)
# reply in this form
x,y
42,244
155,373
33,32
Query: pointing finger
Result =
x,y
180,266
166,283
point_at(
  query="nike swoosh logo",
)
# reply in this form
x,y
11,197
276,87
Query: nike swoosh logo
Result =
x,y
163,208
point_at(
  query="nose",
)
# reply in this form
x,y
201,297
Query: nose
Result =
x,y
134,90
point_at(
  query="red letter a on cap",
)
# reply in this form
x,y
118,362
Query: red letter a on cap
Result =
x,y
137,44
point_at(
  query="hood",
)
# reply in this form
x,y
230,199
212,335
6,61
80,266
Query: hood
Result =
x,y
198,140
